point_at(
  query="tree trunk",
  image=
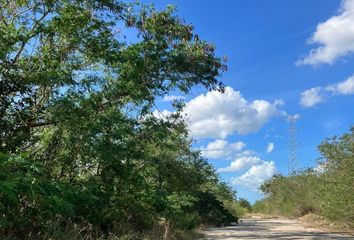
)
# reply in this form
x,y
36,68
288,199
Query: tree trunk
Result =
x,y
168,231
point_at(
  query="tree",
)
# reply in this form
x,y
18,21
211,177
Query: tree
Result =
x,y
45,67
245,204
337,178
327,192
79,143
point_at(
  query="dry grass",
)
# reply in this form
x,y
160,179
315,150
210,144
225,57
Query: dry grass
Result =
x,y
315,221
87,232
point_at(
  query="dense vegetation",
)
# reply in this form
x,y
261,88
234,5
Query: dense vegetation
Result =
x,y
81,153
327,191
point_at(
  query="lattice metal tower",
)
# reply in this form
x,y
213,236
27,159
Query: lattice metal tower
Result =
x,y
293,156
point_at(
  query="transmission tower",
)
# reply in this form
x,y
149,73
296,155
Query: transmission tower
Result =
x,y
293,157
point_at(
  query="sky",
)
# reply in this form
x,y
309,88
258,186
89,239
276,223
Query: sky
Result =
x,y
285,58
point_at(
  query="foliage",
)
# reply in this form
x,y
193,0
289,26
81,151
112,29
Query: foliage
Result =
x,y
290,196
80,147
338,178
245,204
328,191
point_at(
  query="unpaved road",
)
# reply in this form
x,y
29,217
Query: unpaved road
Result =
x,y
270,229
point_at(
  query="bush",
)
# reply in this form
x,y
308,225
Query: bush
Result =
x,y
328,192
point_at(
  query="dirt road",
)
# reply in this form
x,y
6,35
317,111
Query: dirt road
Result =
x,y
270,229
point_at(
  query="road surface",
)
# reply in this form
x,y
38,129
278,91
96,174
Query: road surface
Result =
x,y
270,229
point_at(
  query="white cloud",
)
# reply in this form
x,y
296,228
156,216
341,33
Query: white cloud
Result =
x,y
171,98
244,153
161,114
256,175
241,163
344,88
251,170
222,149
270,147
218,115
311,97
335,37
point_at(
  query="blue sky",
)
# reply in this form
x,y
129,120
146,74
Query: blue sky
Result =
x,y
284,57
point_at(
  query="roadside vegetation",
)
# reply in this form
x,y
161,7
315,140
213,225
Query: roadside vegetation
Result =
x,y
83,154
327,191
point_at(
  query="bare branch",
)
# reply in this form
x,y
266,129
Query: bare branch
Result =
x,y
2,18
30,35
39,124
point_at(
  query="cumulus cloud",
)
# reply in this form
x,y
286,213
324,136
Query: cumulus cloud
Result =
x,y
244,153
241,163
335,37
311,97
256,175
251,171
171,98
342,88
218,115
222,149
270,147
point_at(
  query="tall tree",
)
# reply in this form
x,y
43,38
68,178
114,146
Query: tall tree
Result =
x,y
53,53
78,140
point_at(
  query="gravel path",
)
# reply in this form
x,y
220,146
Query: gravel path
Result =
x,y
270,229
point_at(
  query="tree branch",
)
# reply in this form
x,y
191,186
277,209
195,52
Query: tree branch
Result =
x,y
30,35
40,124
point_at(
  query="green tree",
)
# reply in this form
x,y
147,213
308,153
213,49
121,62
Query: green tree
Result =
x,y
327,192
56,54
79,143
245,204
337,178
